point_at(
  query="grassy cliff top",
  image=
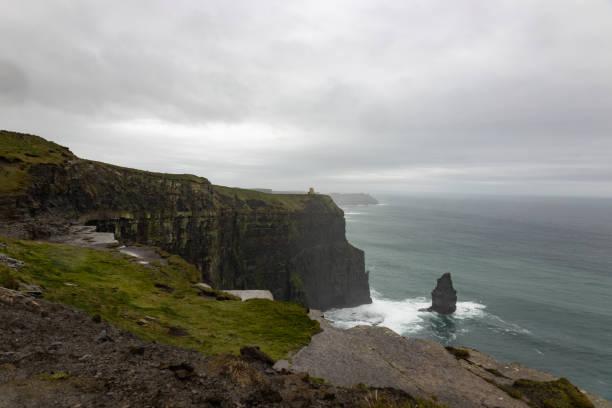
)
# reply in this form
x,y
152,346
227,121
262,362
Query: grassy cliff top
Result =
x,y
226,196
149,300
168,176
31,149
19,152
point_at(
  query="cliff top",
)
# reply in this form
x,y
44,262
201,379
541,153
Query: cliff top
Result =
x,y
24,148
19,152
225,196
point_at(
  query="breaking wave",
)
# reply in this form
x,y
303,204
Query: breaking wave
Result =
x,y
405,318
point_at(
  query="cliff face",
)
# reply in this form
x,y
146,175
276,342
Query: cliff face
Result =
x,y
293,245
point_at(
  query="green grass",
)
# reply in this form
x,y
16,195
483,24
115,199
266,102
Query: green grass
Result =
x,y
495,372
218,294
59,376
19,152
317,380
552,394
516,394
290,202
460,354
110,285
20,147
166,176
8,278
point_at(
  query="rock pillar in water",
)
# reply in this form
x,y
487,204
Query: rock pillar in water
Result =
x,y
444,296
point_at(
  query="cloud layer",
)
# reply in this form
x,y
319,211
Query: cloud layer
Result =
x,y
469,96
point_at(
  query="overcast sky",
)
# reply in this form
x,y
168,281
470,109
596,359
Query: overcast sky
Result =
x,y
502,97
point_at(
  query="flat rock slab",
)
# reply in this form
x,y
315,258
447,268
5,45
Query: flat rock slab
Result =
x,y
143,254
251,294
377,356
380,357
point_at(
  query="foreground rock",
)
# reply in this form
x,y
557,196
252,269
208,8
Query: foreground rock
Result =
x,y
379,357
251,294
444,296
55,356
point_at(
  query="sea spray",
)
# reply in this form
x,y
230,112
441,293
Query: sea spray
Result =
x,y
406,317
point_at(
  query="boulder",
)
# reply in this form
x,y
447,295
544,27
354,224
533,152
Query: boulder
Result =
x,y
444,296
251,294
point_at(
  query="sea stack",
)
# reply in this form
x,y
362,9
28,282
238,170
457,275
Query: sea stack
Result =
x,y
444,296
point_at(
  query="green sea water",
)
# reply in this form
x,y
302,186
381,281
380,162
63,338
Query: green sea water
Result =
x,y
533,277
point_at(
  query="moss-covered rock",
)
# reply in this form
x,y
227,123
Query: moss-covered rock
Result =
x,y
552,394
459,353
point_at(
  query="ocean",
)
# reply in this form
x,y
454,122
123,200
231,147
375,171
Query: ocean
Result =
x,y
533,277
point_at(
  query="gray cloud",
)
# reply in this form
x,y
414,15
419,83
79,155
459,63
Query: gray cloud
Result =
x,y
495,97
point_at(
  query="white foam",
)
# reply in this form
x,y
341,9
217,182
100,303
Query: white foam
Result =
x,y
400,316
404,316
469,310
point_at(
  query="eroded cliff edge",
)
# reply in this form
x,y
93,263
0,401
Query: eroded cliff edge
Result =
x,y
293,245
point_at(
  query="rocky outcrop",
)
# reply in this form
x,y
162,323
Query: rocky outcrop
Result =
x,y
56,356
444,296
293,245
380,357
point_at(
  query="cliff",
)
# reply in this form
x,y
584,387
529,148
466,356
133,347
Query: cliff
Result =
x,y
292,245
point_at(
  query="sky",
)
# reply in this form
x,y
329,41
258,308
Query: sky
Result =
x,y
432,96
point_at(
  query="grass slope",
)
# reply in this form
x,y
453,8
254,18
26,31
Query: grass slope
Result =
x,y
124,293
552,394
19,152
